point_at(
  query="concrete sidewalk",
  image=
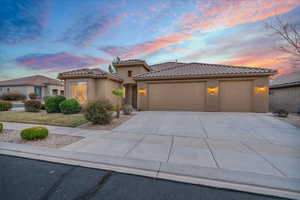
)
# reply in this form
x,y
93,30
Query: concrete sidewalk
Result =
x,y
236,148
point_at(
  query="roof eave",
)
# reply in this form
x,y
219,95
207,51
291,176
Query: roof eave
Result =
x,y
204,76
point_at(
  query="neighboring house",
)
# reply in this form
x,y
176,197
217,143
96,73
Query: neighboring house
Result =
x,y
285,92
41,85
175,86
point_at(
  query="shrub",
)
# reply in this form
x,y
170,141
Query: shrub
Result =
x,y
281,113
69,106
43,107
13,96
32,96
33,133
99,112
5,106
127,109
1,127
32,106
52,104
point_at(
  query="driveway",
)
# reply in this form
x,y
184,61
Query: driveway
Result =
x,y
251,152
244,142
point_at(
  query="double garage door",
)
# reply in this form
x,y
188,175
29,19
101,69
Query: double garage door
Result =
x,y
234,96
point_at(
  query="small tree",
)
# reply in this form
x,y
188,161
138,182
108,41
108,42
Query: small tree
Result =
x,y
116,60
120,94
111,69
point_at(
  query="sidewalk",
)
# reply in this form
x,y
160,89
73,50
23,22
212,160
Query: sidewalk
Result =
x,y
129,153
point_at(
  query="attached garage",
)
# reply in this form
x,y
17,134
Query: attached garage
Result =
x,y
183,96
236,96
204,87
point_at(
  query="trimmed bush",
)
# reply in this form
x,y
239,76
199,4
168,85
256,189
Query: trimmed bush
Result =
x,y
32,106
127,109
281,113
69,106
33,133
32,96
52,104
1,127
13,96
5,106
99,112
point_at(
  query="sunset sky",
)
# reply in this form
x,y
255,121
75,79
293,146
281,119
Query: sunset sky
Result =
x,y
50,36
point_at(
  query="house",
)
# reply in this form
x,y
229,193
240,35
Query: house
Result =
x,y
285,92
40,85
175,86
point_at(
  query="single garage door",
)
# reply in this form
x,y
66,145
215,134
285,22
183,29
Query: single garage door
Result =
x,y
236,96
177,96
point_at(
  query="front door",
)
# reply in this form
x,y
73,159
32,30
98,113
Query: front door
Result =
x,y
134,97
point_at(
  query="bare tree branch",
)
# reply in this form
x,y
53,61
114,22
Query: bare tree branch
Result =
x,y
289,35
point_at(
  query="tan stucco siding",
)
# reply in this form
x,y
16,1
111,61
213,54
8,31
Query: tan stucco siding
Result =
x,y
97,89
123,72
234,94
177,96
109,87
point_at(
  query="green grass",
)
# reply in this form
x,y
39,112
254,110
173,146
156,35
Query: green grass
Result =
x,y
56,119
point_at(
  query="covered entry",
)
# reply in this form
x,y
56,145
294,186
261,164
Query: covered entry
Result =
x,y
236,96
182,96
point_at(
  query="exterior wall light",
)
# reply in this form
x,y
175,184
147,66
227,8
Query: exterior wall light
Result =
x,y
213,91
261,90
142,91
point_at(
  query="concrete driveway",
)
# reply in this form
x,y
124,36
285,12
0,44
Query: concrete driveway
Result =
x,y
245,142
251,152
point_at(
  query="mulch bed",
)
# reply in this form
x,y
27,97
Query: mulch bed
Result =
x,y
52,141
116,122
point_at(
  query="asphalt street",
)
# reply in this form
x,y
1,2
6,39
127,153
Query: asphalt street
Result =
x,y
26,179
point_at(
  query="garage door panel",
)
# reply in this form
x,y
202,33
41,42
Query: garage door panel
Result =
x,y
177,96
236,96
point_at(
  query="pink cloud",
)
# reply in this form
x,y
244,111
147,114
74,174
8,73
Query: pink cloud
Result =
x,y
220,14
148,47
57,61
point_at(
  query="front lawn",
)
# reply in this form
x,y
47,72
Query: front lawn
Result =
x,y
56,119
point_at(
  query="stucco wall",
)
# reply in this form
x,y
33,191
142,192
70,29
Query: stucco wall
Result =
x,y
123,72
97,89
259,102
26,90
109,87
285,98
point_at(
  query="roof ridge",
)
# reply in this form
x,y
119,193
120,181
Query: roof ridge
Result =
x,y
164,69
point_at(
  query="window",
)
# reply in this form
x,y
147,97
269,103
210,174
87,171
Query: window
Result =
x,y
54,92
79,91
62,93
129,73
38,91
7,89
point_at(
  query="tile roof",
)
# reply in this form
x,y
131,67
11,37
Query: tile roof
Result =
x,y
200,69
36,80
90,73
285,80
165,65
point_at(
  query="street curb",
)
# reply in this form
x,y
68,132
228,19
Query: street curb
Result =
x,y
143,168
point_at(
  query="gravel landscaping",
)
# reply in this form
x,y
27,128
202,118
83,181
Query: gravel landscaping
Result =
x,y
293,119
52,141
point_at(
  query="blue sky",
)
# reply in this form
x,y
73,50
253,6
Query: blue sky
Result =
x,y
51,36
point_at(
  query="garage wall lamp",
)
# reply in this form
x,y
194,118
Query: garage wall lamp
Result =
x,y
213,91
142,91
261,90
